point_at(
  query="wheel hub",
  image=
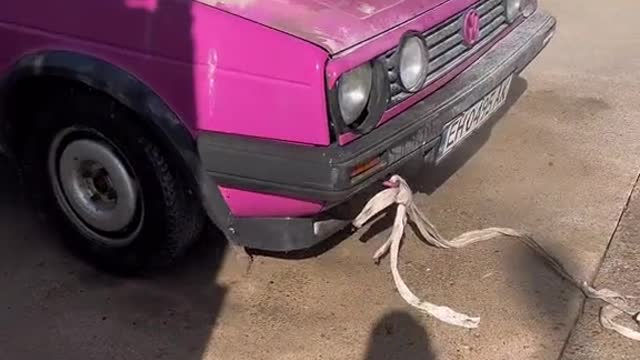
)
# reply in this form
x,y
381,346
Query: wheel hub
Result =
x,y
95,188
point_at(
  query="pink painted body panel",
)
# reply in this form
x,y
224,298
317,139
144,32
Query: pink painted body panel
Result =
x,y
256,82
333,24
218,72
240,74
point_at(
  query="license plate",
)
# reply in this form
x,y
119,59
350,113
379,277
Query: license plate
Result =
x,y
471,119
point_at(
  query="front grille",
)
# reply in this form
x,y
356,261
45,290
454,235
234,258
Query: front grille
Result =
x,y
446,47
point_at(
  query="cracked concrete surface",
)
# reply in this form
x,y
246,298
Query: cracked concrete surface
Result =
x,y
559,163
621,271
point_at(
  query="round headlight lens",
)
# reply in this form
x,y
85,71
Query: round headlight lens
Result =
x,y
414,62
513,9
354,88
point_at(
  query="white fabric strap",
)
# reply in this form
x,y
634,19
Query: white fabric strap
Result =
x,y
399,192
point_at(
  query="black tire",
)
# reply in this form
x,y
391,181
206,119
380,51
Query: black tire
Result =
x,y
169,215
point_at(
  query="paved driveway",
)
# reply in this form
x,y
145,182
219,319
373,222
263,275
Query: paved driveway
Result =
x,y
559,163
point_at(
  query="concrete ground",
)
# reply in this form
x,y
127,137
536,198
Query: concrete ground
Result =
x,y
621,271
560,163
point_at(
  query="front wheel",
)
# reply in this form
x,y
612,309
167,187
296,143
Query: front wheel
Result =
x,y
124,204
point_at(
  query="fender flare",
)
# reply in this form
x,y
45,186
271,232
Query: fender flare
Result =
x,y
137,96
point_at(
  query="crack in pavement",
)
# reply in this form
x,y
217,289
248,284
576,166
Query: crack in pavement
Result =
x,y
599,266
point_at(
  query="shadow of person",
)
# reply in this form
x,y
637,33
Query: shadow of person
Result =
x,y
398,336
56,306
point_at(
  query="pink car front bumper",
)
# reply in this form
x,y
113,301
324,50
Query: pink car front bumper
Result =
x,y
324,174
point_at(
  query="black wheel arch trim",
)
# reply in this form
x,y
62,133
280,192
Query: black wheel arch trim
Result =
x,y
132,93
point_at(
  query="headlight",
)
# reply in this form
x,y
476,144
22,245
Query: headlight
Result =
x,y
413,63
513,9
354,88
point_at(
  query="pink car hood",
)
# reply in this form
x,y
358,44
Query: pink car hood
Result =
x,y
334,25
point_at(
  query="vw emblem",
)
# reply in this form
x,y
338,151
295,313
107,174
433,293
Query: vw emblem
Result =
x,y
471,27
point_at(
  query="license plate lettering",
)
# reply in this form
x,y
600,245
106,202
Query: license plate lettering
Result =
x,y
488,104
469,120
451,130
472,118
474,113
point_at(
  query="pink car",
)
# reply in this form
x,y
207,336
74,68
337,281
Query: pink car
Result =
x,y
135,119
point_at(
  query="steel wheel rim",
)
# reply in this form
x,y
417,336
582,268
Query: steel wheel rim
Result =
x,y
95,187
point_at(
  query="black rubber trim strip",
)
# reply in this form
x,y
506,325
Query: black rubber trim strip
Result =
x,y
259,233
302,176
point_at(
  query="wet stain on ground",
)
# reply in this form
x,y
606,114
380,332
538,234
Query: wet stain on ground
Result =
x,y
563,105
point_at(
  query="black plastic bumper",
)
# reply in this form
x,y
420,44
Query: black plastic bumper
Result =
x,y
324,173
